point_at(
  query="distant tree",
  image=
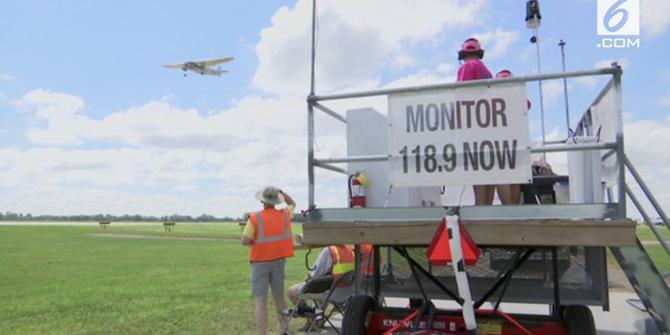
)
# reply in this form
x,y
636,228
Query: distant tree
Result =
x,y
11,216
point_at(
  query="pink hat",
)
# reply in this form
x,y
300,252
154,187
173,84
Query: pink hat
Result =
x,y
471,46
504,74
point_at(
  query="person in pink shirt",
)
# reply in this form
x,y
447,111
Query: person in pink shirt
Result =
x,y
474,69
505,74
508,194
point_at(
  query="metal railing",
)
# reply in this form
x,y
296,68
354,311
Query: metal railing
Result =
x,y
616,146
650,197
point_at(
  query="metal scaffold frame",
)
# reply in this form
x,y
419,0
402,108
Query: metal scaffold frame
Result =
x,y
592,218
617,147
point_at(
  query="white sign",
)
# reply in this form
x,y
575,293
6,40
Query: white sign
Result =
x,y
473,135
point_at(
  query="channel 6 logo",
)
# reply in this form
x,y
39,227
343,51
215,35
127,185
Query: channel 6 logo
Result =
x,y
618,17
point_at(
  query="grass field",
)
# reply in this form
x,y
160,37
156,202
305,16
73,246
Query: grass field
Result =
x,y
63,280
644,233
655,251
68,280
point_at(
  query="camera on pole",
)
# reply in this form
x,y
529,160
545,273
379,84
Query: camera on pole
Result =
x,y
533,17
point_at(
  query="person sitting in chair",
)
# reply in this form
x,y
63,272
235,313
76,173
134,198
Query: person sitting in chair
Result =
x,y
335,260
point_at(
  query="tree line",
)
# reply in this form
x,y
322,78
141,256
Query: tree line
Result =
x,y
10,216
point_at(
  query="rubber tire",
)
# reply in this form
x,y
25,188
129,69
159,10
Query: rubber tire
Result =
x,y
355,317
579,320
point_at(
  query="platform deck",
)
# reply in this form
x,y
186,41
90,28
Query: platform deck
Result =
x,y
583,225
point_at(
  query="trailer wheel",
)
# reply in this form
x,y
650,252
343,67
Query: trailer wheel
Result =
x,y
357,315
579,320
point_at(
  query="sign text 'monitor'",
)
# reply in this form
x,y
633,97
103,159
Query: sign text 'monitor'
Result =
x,y
482,113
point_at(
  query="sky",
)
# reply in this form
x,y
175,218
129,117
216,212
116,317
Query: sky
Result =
x,y
91,123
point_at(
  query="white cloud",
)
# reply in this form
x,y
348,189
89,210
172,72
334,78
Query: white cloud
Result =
x,y
552,90
355,40
419,79
447,68
589,81
645,147
52,106
654,17
158,124
169,176
496,42
402,60
58,111
664,99
162,152
5,77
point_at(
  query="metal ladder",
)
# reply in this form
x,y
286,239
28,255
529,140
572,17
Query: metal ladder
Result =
x,y
648,283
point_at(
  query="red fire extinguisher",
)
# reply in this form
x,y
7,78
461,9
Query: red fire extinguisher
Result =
x,y
357,184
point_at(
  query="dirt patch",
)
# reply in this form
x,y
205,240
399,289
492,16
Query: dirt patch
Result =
x,y
161,237
616,278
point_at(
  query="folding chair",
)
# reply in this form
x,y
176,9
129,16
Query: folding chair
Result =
x,y
314,290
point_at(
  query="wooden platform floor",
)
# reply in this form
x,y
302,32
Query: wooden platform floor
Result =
x,y
560,232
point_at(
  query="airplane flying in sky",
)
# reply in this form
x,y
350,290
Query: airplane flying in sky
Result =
x,y
203,67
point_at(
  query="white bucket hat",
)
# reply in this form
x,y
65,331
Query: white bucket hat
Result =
x,y
270,195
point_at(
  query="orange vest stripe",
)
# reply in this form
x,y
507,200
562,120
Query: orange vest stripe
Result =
x,y
343,261
262,238
273,238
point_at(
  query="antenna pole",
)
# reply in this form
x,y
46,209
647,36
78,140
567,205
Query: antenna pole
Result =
x,y
311,90
539,83
565,88
310,117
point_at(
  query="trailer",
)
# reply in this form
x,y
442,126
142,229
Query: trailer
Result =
x,y
549,251
543,253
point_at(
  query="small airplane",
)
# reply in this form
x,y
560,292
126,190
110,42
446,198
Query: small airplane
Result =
x,y
203,67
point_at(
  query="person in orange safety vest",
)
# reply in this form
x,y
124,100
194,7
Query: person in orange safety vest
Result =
x,y
367,259
335,260
268,234
342,259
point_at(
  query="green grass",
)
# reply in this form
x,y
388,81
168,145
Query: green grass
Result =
x,y
655,251
63,280
644,233
659,256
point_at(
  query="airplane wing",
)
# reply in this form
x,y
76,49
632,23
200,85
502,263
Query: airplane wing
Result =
x,y
214,72
216,61
174,66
